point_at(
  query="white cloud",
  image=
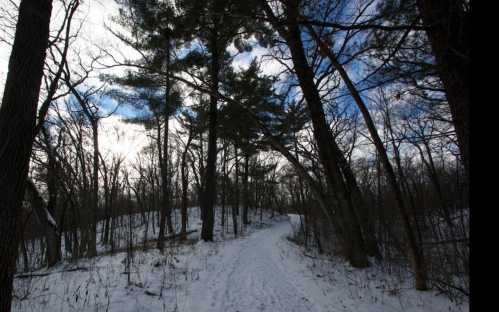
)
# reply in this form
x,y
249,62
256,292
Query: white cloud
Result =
x,y
121,139
269,65
115,136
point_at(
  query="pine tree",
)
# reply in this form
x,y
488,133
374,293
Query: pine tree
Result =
x,y
154,26
217,23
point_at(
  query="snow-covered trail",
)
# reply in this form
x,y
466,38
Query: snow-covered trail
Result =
x,y
261,271
252,274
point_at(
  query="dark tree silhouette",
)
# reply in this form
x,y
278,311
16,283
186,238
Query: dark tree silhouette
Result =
x,y
17,125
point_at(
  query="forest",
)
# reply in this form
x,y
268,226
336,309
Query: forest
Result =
x,y
228,155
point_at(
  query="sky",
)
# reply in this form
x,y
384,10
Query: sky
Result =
x,y
116,137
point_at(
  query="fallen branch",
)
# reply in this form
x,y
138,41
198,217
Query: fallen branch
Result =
x,y
309,256
30,275
460,289
176,235
150,293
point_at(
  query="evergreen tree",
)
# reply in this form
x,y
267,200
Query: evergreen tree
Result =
x,y
153,25
217,23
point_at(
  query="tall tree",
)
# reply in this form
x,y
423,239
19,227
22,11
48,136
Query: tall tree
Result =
x,y
154,26
449,30
416,255
328,149
17,123
251,90
217,24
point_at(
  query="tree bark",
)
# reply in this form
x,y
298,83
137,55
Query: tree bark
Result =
x,y
165,211
53,250
17,124
209,194
185,185
224,182
449,29
92,248
245,190
235,205
53,239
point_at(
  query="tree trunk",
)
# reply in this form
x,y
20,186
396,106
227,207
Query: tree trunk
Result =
x,y
46,221
235,206
245,189
415,253
360,207
165,211
209,194
355,250
107,214
224,180
92,248
449,29
17,124
185,185
53,239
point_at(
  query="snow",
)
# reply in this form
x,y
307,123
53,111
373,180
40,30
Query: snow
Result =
x,y
247,276
259,271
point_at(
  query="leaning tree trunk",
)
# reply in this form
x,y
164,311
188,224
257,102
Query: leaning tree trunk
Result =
x,y
46,221
355,249
17,124
360,207
53,239
415,252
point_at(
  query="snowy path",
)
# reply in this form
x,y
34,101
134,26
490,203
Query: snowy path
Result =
x,y
261,271
252,274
